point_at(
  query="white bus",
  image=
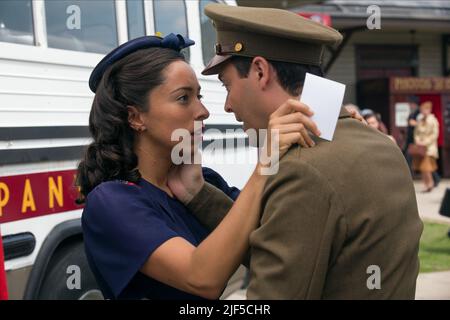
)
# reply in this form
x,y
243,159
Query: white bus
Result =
x,y
47,51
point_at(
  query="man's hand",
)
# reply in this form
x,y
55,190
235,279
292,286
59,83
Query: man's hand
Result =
x,y
293,120
356,115
288,125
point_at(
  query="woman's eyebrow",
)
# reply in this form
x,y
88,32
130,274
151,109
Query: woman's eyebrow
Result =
x,y
187,88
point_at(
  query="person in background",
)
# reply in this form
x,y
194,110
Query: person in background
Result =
x,y
426,134
373,120
412,121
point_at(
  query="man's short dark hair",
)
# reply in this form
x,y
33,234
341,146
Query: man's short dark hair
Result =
x,y
291,76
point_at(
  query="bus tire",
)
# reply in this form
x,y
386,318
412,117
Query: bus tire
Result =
x,y
69,277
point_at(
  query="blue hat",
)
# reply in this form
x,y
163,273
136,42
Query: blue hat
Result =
x,y
171,41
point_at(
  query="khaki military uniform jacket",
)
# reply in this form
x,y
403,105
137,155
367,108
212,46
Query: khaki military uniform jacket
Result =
x,y
338,221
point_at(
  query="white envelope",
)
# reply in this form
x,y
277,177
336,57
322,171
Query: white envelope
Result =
x,y
325,98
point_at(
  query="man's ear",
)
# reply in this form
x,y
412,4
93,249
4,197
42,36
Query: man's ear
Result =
x,y
262,70
135,118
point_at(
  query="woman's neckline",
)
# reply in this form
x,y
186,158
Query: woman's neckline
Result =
x,y
146,182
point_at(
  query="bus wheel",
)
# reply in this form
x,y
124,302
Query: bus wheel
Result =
x,y
69,277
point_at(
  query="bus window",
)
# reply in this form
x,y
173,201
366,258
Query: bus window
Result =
x,y
135,18
208,33
170,17
81,25
16,22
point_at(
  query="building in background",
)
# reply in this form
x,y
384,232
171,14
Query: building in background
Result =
x,y
383,69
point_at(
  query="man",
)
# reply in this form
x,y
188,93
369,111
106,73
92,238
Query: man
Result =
x,y
412,122
339,220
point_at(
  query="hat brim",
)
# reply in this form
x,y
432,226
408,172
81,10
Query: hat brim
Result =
x,y
214,64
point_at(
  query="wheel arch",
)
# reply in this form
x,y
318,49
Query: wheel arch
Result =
x,y
59,236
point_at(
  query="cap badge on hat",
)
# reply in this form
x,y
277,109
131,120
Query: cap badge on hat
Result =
x,y
222,49
238,47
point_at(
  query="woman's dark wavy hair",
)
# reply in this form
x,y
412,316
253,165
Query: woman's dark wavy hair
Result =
x,y
128,82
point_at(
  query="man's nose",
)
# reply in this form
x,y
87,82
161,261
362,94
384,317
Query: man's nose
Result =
x,y
228,108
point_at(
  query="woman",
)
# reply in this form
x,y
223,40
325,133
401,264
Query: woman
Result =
x,y
426,134
140,241
373,121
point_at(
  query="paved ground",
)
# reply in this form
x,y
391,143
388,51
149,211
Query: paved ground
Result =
x,y
429,203
434,285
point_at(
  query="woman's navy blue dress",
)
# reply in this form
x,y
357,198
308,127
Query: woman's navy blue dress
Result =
x,y
123,223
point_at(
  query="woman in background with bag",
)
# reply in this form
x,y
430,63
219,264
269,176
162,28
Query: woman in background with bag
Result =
x,y
426,134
